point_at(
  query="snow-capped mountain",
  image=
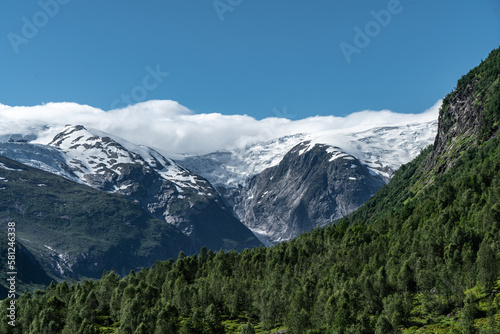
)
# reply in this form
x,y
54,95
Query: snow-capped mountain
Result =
x,y
235,168
275,187
99,160
73,231
227,183
385,149
159,185
382,149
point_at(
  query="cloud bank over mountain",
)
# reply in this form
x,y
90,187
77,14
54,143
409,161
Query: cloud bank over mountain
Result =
x,y
174,128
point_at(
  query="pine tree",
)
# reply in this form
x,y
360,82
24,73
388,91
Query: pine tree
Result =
x,y
167,321
213,322
247,329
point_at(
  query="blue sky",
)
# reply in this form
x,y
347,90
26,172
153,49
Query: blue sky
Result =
x,y
260,58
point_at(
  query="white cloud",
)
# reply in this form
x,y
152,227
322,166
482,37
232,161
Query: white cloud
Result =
x,y
171,127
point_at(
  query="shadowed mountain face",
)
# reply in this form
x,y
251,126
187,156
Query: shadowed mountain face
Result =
x,y
312,186
76,231
30,272
73,230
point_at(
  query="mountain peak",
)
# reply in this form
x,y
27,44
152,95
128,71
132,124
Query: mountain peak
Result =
x,y
313,185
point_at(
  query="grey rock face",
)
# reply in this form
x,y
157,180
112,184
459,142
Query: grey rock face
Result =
x,y
311,187
461,118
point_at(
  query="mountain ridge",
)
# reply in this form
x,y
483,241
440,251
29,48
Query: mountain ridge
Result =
x,y
240,175
159,185
178,191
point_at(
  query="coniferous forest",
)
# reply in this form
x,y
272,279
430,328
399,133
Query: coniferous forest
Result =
x,y
421,256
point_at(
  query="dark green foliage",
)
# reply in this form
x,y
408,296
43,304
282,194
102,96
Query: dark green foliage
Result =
x,y
247,329
383,326
167,320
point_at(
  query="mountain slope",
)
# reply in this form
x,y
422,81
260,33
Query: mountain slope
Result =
x,y
74,230
470,114
26,279
159,185
421,256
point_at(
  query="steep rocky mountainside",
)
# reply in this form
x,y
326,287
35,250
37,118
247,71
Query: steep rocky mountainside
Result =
x,y
469,114
312,186
468,121
159,185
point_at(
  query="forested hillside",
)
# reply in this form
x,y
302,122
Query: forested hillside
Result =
x,y
421,256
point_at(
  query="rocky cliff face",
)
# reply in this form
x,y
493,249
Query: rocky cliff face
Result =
x,y
459,125
469,115
312,186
